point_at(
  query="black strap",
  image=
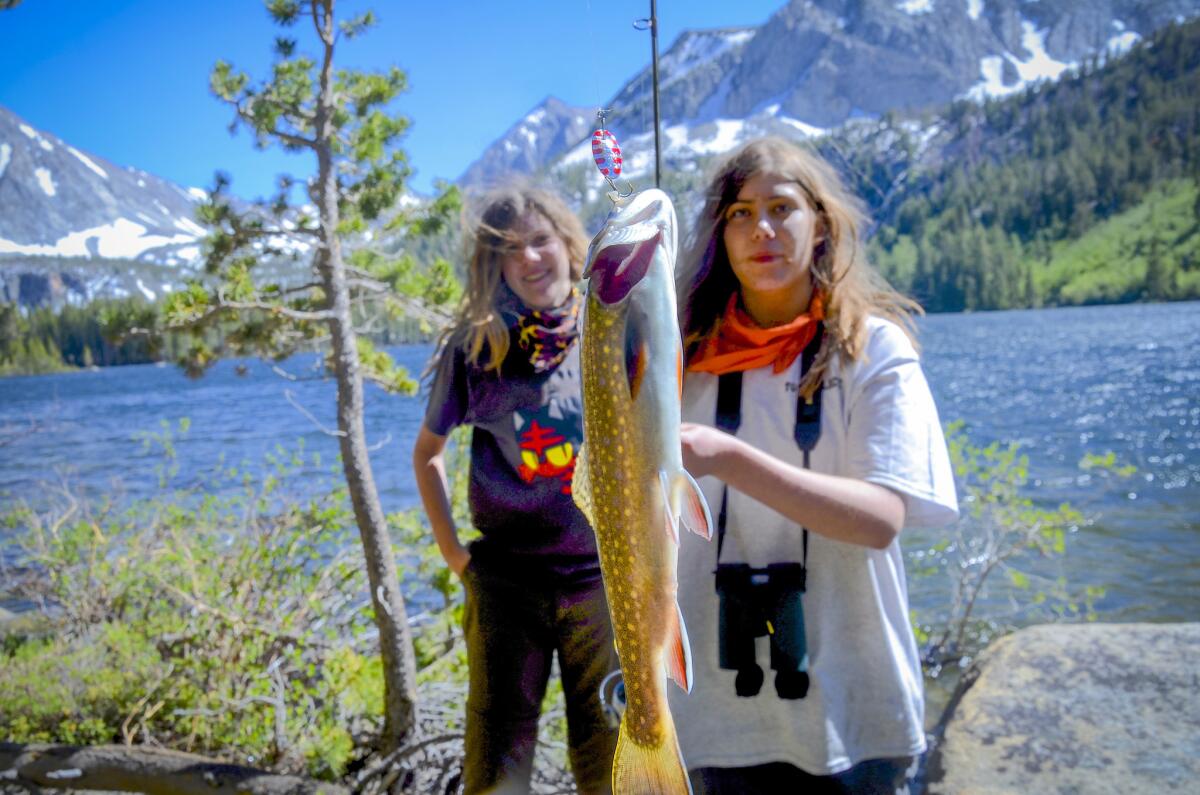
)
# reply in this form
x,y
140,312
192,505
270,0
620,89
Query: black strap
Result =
x,y
807,430
729,401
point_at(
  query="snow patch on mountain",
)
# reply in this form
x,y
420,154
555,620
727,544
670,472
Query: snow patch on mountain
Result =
x,y
915,7
1039,66
1124,39
123,239
190,227
87,162
5,156
36,137
45,181
974,9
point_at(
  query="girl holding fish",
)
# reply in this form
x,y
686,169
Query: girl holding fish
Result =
x,y
775,278
509,367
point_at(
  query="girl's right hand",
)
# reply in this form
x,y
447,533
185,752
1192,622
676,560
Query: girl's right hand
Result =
x,y
706,450
458,560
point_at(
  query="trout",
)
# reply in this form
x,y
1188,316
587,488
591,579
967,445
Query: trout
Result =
x,y
629,478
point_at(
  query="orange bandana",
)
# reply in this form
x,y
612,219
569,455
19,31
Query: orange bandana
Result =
x,y
738,343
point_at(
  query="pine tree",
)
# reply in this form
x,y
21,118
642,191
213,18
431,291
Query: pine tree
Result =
x,y
1160,279
342,118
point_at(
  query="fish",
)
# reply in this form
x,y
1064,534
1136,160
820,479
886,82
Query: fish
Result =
x,y
629,479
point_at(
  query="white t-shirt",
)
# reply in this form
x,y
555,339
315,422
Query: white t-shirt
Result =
x,y
865,701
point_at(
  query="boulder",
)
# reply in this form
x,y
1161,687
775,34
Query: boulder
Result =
x,y
1089,708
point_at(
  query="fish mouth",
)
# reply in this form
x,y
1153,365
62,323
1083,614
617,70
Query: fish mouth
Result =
x,y
618,268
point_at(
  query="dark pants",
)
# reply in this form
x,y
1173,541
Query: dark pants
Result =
x,y
513,626
870,777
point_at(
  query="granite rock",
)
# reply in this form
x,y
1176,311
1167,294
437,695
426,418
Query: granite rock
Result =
x,y
1096,708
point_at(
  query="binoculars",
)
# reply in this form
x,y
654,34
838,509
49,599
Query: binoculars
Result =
x,y
756,602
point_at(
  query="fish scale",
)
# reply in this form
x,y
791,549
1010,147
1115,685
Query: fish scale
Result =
x,y
630,481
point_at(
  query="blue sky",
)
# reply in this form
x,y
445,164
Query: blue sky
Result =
x,y
128,79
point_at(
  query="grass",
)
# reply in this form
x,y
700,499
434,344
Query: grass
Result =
x,y
1109,263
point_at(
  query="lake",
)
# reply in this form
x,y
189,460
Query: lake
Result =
x,y
1061,382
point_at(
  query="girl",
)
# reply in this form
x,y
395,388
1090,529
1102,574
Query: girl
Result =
x,y
775,291
509,367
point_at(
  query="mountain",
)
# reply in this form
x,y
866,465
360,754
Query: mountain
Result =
x,y
546,130
1081,190
817,64
75,225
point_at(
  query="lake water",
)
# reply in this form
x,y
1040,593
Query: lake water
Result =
x,y
1061,382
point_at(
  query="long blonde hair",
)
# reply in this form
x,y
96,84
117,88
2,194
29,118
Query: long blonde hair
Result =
x,y
850,287
490,226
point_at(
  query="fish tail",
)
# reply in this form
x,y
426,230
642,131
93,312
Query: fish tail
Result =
x,y
646,770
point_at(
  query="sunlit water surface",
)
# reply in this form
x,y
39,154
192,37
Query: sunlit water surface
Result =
x,y
1061,382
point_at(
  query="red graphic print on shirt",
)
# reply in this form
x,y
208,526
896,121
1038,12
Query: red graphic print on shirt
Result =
x,y
545,453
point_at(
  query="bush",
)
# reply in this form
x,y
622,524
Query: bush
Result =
x,y
58,690
1002,530
234,625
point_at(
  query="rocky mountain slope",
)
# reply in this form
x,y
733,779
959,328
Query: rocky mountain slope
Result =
x,y
816,64
546,130
74,224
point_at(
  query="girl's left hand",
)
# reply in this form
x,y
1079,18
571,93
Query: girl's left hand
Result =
x,y
706,450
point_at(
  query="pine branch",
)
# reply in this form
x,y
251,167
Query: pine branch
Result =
x,y
298,141
291,111
275,309
303,288
414,308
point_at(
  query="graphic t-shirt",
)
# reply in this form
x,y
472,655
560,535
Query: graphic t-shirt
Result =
x,y
527,428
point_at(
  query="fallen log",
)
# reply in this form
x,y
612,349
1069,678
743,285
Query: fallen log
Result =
x,y
154,771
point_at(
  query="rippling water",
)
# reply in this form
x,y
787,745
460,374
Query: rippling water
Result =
x,y
1061,382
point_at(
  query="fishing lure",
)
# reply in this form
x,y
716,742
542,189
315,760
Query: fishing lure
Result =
x,y
607,154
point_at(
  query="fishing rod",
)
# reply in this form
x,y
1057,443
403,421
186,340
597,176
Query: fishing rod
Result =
x,y
651,24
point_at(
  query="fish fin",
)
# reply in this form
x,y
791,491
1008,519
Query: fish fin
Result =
x,y
693,508
637,355
679,370
581,486
670,517
679,652
649,770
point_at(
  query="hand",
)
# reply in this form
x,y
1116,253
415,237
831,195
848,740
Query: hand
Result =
x,y
458,560
705,449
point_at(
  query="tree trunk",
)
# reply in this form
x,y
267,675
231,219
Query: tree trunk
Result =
x,y
395,641
154,771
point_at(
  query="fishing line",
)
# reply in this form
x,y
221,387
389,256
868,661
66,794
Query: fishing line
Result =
x,y
592,50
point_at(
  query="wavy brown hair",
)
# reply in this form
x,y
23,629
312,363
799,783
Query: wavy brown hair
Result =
x,y
490,226
851,288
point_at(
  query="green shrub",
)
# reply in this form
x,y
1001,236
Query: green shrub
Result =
x,y
77,691
231,620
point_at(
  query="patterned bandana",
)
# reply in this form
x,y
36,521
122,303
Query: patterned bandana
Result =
x,y
546,335
738,343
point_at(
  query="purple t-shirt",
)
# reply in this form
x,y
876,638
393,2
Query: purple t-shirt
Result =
x,y
527,428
